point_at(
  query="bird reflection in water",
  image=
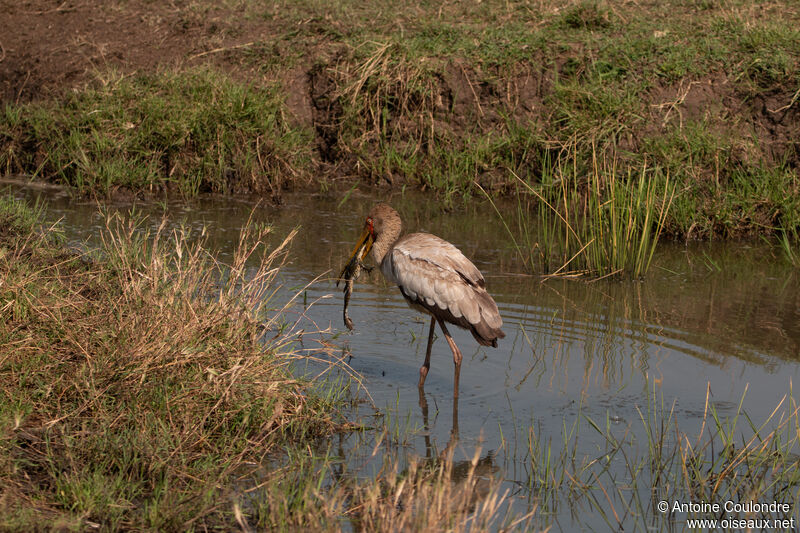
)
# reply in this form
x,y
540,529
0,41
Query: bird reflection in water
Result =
x,y
479,470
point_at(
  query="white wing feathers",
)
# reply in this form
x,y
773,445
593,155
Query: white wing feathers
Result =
x,y
431,270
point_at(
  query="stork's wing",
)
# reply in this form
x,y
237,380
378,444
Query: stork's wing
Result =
x,y
430,270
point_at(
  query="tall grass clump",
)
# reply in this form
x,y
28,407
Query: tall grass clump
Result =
x,y
598,224
787,241
188,132
136,381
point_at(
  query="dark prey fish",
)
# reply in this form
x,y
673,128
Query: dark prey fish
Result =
x,y
349,274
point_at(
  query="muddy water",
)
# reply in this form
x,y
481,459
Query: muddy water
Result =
x,y
720,318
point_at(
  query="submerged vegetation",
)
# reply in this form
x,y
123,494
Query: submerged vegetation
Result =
x,y
731,458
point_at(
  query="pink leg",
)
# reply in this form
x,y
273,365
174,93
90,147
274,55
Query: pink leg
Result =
x,y
456,357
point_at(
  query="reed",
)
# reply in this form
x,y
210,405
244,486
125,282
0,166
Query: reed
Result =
x,y
787,242
597,225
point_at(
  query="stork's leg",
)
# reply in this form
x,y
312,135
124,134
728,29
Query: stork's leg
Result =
x,y
423,371
456,357
454,428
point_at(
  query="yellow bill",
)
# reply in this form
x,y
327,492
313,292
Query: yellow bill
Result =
x,y
361,250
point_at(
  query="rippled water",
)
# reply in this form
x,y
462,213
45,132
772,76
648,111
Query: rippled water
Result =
x,y
718,317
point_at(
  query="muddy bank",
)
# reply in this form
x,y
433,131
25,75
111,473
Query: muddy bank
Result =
x,y
437,99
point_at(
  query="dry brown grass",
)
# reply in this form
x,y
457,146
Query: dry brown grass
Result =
x,y
136,380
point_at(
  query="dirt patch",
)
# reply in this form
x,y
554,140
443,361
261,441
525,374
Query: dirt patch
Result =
x,y
326,111
776,115
298,100
691,100
57,45
766,124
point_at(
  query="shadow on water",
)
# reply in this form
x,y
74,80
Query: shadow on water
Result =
x,y
723,318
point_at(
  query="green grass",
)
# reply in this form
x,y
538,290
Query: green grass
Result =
x,y
19,218
788,243
608,226
187,132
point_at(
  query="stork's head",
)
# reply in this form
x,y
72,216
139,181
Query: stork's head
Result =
x,y
382,220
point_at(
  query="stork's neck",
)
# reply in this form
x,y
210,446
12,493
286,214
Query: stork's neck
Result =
x,y
385,240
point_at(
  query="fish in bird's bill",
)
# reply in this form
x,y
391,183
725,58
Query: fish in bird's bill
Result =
x,y
351,271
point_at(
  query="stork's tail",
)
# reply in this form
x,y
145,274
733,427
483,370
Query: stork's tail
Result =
x,y
487,331
486,335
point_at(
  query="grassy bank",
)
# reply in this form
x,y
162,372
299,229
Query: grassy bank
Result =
x,y
133,387
186,133
457,95
441,97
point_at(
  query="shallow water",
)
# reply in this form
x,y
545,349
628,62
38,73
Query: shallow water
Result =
x,y
723,318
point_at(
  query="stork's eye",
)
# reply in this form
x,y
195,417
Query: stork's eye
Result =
x,y
369,224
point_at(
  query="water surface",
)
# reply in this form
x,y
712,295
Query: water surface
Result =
x,y
723,318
